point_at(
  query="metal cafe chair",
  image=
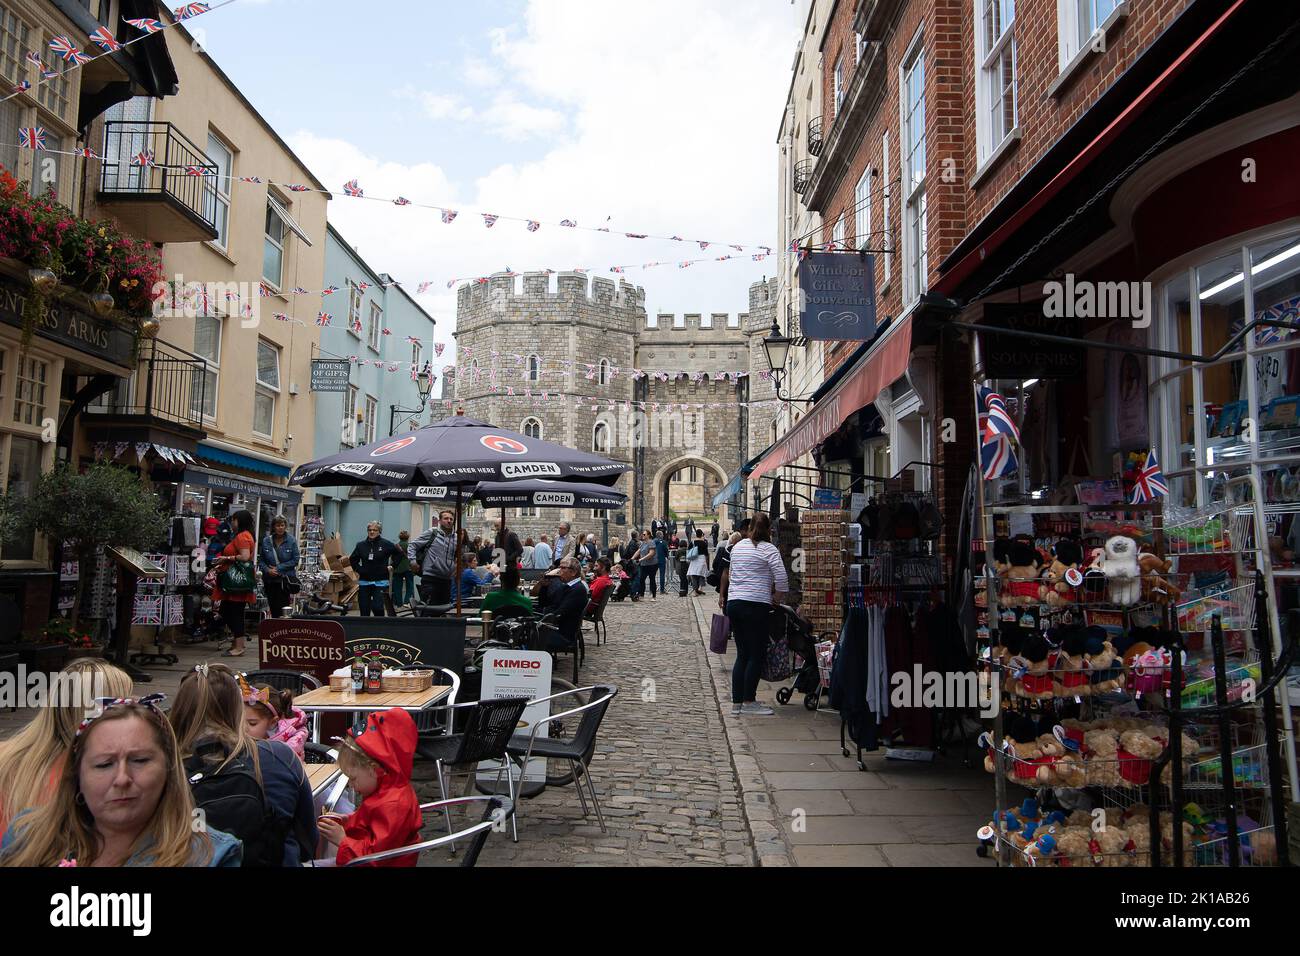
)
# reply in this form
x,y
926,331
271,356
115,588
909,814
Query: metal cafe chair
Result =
x,y
497,809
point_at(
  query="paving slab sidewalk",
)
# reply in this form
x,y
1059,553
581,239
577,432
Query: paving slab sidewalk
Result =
x,y
808,805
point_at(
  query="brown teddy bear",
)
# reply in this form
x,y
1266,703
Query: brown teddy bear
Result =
x,y
1072,845
1071,677
1137,749
1110,844
1102,758
1019,584
1056,591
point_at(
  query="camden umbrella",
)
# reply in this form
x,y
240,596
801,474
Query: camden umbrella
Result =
x,y
526,493
456,451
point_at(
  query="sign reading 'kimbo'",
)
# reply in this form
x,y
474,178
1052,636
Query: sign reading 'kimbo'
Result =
x,y
837,296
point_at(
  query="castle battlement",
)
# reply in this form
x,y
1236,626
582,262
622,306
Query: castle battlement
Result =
x,y
535,289
763,293
693,324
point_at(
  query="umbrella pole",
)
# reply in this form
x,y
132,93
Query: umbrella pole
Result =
x,y
456,565
502,535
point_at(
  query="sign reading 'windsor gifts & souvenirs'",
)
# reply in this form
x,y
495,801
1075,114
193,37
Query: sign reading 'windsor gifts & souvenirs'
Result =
x,y
837,295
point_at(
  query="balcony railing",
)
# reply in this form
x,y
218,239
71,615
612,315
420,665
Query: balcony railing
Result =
x,y
815,136
169,389
802,175
160,185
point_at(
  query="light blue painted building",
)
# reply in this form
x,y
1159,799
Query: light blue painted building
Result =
x,y
372,325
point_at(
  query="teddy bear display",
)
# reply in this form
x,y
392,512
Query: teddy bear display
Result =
x,y
1072,846
1072,677
1155,588
1036,682
1137,750
1101,763
1123,575
1019,585
1057,590
1094,578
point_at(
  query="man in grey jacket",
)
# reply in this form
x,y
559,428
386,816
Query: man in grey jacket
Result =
x,y
434,553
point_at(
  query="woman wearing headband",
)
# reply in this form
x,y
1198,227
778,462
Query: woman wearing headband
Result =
x,y
32,760
122,800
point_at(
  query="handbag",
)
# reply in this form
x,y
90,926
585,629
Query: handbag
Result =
x,y
719,631
776,665
692,554
237,577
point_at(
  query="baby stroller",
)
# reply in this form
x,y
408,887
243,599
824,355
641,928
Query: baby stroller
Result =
x,y
798,634
624,586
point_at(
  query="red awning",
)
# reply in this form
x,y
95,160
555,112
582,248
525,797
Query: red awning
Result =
x,y
876,371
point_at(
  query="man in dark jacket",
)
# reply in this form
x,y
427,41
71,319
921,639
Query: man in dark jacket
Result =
x,y
433,554
373,560
510,547
564,595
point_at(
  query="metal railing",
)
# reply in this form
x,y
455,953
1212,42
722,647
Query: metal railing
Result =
x,y
148,158
170,385
802,176
815,140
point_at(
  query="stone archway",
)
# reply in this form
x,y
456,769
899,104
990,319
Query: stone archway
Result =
x,y
661,497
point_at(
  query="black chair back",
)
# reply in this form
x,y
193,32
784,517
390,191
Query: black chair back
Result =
x,y
317,753
585,736
488,728
284,680
507,611
479,839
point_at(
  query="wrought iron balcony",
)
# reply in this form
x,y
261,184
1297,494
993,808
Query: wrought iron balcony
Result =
x,y
158,183
802,176
815,140
169,392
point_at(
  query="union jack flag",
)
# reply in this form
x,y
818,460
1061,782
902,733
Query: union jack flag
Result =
x,y
187,10
299,188
363,286
147,25
87,153
703,246
352,189
568,223
533,226
323,318
722,258
298,291
1285,311
489,219
64,47
356,326
105,39
401,201
437,348
197,171
250,179
739,248
450,283
31,137
330,291
616,269
998,420
143,158
279,317
23,87
1150,482
675,238
386,331
997,458
34,57
635,235
684,265
422,288
413,340
448,215
263,291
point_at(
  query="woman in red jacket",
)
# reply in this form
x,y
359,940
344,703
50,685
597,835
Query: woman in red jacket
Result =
x,y
241,548
378,764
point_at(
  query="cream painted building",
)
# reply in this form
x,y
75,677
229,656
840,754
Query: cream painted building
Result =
x,y
225,381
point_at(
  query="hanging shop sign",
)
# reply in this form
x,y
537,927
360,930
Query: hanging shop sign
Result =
x,y
62,323
1021,358
330,375
837,295
242,486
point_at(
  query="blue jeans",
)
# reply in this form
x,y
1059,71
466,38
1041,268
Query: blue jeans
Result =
x,y
663,577
646,572
749,626
403,588
371,599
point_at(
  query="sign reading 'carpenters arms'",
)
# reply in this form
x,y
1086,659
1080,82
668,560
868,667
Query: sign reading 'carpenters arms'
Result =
x,y
63,323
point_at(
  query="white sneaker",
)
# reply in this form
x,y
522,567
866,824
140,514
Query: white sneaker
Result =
x,y
735,710
755,709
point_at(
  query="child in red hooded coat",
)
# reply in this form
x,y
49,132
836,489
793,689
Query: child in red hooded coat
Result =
x,y
378,764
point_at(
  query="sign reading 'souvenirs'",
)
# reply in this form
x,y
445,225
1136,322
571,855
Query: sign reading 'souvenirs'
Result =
x,y
837,296
62,323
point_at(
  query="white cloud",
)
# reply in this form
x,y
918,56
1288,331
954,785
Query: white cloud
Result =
x,y
445,106
479,72
513,120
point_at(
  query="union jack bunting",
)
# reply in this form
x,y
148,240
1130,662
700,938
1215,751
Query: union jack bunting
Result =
x,y
739,248
356,326
675,238
323,318
759,256
298,188
49,74
105,39
450,283
197,171
250,179
34,57
634,235
87,153
1150,483
330,291
684,265
143,158
413,340
998,420
767,250
187,10
422,288
489,219
298,291
352,189
449,215
533,226
437,348
63,47
386,332
616,269
569,223
279,317
23,87
722,258
703,246
147,25
31,137
401,201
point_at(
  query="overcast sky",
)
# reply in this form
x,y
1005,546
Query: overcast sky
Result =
x,y
661,115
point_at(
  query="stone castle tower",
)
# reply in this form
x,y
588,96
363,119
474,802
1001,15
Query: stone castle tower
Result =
x,y
554,358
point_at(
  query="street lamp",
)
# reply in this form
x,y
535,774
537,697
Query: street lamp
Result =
x,y
424,384
777,348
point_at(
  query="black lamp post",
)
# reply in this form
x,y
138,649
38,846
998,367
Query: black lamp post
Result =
x,y
424,383
777,348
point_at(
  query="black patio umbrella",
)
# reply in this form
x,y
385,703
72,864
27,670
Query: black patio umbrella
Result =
x,y
525,493
456,451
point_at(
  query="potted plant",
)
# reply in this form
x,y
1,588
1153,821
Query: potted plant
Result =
x,y
78,640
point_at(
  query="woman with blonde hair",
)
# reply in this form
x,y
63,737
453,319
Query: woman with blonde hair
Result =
x,y
122,800
31,761
257,790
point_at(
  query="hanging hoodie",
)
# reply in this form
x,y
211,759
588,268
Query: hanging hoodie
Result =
x,y
390,817
292,730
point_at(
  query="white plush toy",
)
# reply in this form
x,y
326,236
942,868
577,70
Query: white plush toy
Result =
x,y
1120,564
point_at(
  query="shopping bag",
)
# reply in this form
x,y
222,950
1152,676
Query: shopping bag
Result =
x,y
776,666
719,631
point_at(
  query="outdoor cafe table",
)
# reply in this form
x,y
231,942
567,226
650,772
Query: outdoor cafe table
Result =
x,y
321,775
324,700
